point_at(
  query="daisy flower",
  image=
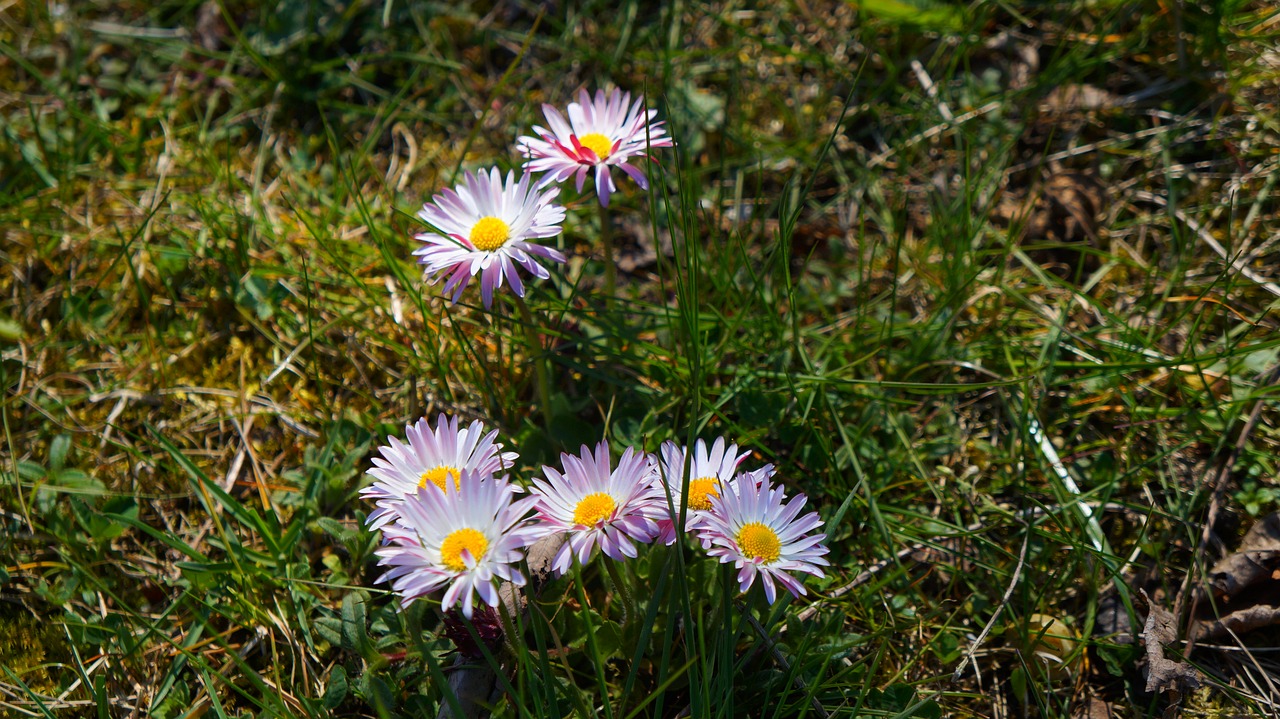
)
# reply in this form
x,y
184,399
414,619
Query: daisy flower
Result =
x,y
752,527
601,133
432,457
484,226
707,471
596,504
467,538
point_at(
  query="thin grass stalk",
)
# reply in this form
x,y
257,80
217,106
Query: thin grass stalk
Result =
x,y
539,360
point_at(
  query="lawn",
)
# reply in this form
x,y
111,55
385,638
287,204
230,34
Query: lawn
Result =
x,y
996,286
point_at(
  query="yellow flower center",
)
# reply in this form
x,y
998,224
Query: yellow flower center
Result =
x,y
759,542
463,540
489,234
701,490
439,476
593,508
597,143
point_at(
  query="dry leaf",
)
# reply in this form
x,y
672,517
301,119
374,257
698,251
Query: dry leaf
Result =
x,y
1244,587
1092,707
1255,560
1064,209
1165,674
1078,98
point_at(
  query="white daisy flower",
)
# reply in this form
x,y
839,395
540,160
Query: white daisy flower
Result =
x,y
750,526
484,227
601,133
708,470
432,456
467,538
596,504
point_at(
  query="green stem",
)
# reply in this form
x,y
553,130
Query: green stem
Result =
x,y
610,262
539,359
592,647
628,603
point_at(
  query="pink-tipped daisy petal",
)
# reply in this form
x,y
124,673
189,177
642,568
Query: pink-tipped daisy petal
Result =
x,y
752,527
708,470
432,456
602,132
597,505
486,227
464,539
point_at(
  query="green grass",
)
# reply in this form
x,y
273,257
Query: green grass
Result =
x,y
210,319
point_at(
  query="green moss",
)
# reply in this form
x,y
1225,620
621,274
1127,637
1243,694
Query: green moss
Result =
x,y
28,646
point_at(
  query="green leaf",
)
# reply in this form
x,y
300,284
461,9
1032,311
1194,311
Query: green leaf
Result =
x,y
336,691
334,528
379,695
329,629
608,638
354,623
58,450
10,331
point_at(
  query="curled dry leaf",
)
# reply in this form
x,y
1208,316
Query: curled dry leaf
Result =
x,y
1165,674
1257,558
1242,593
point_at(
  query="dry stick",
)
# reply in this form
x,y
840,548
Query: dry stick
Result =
x,y
867,575
1236,264
870,572
778,657
1017,572
931,90
1215,502
475,685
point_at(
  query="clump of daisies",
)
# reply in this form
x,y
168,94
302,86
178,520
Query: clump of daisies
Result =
x,y
453,523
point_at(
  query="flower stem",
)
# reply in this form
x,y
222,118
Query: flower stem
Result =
x,y
539,359
610,263
619,583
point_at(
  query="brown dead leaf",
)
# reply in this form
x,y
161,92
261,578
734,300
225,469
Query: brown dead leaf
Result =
x,y
1064,209
1255,560
1243,593
1092,707
1165,674
1078,98
1237,622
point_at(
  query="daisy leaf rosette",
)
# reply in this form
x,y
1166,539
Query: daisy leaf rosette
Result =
x,y
596,504
432,456
604,132
486,227
708,470
750,525
464,540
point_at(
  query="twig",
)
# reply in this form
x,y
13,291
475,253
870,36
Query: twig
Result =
x,y
1236,264
781,660
865,576
1008,592
870,572
931,90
